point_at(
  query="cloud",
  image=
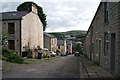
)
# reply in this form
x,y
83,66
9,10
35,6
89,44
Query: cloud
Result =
x,y
63,15
72,16
9,6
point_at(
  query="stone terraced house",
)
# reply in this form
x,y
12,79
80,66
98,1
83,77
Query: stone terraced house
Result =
x,y
102,42
25,29
50,42
64,46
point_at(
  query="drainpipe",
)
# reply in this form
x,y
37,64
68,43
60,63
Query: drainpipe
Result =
x,y
20,38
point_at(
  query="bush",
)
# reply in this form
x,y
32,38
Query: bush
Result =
x,y
4,58
79,49
39,49
45,56
11,56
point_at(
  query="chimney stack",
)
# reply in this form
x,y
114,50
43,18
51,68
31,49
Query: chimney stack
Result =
x,y
34,8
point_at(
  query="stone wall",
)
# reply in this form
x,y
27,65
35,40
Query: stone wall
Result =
x,y
119,39
94,44
47,42
69,48
54,44
50,43
15,36
32,31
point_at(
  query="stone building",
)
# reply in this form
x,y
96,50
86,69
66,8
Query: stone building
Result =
x,y
102,42
50,42
69,46
61,45
64,45
25,29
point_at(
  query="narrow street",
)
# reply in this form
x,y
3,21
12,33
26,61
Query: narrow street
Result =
x,y
60,39
60,67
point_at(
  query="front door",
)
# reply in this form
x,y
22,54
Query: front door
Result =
x,y
99,50
112,58
11,44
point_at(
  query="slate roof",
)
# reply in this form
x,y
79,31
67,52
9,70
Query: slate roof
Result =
x,y
49,35
60,42
13,15
69,42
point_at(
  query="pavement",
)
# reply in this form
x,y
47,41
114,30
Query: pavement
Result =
x,y
93,70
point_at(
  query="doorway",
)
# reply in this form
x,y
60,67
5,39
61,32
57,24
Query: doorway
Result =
x,y
99,51
11,44
112,58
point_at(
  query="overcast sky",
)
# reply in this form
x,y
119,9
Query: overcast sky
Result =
x,y
62,15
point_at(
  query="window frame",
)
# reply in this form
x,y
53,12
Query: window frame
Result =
x,y
11,28
106,13
106,43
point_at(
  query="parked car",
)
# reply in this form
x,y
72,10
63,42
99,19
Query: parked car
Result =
x,y
45,49
68,53
53,54
77,54
63,54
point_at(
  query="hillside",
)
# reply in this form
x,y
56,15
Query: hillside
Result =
x,y
74,33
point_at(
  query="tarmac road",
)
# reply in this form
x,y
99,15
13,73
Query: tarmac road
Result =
x,y
60,67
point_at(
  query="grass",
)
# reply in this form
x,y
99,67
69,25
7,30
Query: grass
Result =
x,y
26,62
34,61
74,33
5,69
50,58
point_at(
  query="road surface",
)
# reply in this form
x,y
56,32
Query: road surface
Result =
x,y
60,67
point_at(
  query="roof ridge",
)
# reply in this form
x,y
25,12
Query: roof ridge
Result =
x,y
49,35
12,12
13,15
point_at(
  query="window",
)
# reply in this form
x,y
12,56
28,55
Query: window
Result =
x,y
96,46
52,42
11,44
11,28
58,47
106,11
106,43
67,47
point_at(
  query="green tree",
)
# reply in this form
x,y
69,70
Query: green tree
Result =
x,y
26,7
79,49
